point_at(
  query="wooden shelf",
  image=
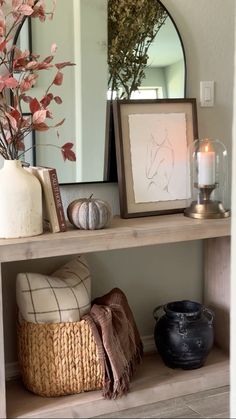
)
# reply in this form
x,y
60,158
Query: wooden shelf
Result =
x,y
122,233
152,382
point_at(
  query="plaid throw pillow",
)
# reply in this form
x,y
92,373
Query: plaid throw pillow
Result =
x,y
64,296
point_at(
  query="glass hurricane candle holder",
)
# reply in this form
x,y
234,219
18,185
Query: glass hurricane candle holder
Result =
x,y
207,190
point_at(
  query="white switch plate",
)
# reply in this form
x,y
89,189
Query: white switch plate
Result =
x,y
207,94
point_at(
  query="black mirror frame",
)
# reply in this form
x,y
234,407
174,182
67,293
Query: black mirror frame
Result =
x,y
182,45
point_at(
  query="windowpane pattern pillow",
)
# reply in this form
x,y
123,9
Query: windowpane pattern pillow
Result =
x,y
64,296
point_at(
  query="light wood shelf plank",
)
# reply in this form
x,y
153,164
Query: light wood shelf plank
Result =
x,y
152,382
121,234
217,287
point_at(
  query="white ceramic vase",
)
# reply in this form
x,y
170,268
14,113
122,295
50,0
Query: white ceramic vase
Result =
x,y
20,202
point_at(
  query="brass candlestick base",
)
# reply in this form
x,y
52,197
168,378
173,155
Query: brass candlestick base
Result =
x,y
213,209
206,208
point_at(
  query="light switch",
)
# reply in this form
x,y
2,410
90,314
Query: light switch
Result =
x,y
207,94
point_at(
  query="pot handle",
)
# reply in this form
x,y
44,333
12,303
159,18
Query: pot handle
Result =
x,y
155,312
209,315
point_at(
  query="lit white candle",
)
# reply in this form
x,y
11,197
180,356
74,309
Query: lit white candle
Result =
x,y
206,167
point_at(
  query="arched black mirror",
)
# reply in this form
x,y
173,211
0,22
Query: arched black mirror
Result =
x,y
146,58
85,89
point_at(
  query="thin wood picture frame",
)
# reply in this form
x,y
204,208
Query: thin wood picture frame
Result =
x,y
152,137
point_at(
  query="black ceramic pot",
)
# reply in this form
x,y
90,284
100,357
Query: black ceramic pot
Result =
x,y
183,333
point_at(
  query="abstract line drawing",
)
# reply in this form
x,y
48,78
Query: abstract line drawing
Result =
x,y
158,147
160,160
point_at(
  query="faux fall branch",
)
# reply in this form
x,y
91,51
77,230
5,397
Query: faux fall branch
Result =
x,y
19,71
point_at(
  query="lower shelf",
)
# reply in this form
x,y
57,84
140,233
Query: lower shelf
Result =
x,y
152,382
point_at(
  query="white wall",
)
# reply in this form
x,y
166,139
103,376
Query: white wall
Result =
x,y
155,76
206,27
154,275
174,75
233,260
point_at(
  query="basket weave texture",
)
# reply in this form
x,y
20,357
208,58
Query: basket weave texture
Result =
x,y
59,358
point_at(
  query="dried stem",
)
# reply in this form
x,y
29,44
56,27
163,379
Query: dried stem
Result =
x,y
132,26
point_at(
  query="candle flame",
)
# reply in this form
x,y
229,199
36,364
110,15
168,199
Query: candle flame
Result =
x,y
206,148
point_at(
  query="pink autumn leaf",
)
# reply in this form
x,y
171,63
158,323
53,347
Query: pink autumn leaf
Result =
x,y
59,66
48,59
46,100
58,100
12,121
59,123
58,79
16,114
39,11
28,82
25,122
32,65
19,65
11,82
34,106
26,99
39,117
3,45
67,153
41,127
24,9
49,114
44,66
24,86
18,54
68,146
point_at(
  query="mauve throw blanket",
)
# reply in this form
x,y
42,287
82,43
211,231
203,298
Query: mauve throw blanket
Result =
x,y
119,345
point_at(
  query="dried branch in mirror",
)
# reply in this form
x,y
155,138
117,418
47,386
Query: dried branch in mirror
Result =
x,y
132,26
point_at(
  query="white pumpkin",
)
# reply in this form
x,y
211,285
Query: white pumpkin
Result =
x,y
89,213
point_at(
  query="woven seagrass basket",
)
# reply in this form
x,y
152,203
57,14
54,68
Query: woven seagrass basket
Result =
x,y
58,358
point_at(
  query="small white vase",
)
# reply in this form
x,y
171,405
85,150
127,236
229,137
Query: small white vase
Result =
x,y
20,202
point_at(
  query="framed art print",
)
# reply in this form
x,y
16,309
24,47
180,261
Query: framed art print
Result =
x,y
152,138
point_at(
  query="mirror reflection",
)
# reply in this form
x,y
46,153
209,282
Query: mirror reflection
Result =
x,y
145,56
85,88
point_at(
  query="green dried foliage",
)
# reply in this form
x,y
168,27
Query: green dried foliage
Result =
x,y
132,26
